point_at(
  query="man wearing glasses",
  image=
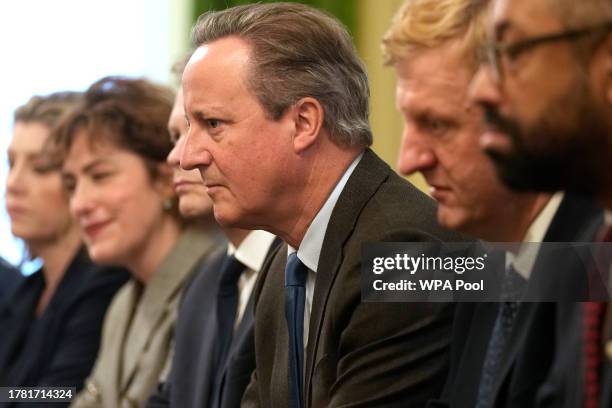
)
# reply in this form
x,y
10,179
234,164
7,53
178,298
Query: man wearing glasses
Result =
x,y
545,86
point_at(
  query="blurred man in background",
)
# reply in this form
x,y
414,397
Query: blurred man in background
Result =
x,y
546,92
434,46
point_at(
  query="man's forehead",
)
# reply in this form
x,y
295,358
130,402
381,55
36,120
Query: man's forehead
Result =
x,y
199,54
217,61
523,17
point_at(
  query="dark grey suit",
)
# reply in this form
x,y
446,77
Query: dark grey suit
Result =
x,y
358,354
191,382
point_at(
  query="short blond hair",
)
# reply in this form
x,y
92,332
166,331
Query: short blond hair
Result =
x,y
425,24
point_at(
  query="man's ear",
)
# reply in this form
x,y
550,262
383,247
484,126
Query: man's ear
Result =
x,y
163,181
308,116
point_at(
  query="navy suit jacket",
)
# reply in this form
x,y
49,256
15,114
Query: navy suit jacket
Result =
x,y
191,383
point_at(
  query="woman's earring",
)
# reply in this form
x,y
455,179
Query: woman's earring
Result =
x,y
167,204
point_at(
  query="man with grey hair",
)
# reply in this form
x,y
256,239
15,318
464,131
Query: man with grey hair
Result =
x,y
277,102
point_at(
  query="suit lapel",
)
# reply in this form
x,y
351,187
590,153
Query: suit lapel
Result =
x,y
117,336
361,186
158,294
576,220
244,331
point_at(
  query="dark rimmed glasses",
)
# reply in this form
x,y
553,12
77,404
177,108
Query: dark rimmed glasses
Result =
x,y
500,57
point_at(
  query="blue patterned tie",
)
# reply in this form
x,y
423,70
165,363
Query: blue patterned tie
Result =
x,y
295,297
512,289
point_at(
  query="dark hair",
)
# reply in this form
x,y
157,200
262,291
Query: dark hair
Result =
x,y
48,109
298,51
131,113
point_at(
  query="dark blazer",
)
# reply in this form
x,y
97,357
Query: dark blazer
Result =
x,y
539,328
358,354
9,279
59,347
191,383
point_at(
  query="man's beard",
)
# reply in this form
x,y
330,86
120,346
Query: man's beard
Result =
x,y
568,148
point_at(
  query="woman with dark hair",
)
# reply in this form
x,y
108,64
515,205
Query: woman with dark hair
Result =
x,y
114,148
51,324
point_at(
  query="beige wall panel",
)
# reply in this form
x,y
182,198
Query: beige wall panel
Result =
x,y
373,19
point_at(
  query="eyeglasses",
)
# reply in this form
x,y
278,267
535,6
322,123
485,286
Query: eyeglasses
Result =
x,y
501,57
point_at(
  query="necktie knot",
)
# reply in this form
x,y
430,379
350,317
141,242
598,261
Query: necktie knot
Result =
x,y
230,273
295,272
514,285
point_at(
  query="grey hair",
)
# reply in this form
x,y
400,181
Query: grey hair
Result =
x,y
297,52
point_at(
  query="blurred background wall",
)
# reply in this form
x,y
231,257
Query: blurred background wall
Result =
x,y
48,46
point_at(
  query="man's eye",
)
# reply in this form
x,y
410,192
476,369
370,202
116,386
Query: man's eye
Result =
x,y
435,125
213,123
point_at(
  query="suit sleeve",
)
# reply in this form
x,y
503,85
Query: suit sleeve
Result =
x,y
408,339
462,321
377,340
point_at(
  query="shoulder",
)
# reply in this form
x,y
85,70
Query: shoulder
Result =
x,y
382,206
204,278
398,211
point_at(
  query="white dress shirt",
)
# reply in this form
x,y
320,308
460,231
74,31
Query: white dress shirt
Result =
x,y
251,253
608,218
310,247
524,260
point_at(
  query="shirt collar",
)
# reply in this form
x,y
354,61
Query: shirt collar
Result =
x,y
253,249
526,257
310,247
608,218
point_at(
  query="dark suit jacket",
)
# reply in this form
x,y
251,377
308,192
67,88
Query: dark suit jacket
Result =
x,y
564,384
191,382
358,354
538,330
9,279
59,347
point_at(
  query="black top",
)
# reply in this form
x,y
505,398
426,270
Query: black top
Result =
x,y
9,278
59,347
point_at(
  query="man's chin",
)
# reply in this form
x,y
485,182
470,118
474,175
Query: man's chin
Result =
x,y
452,218
226,218
545,174
524,173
